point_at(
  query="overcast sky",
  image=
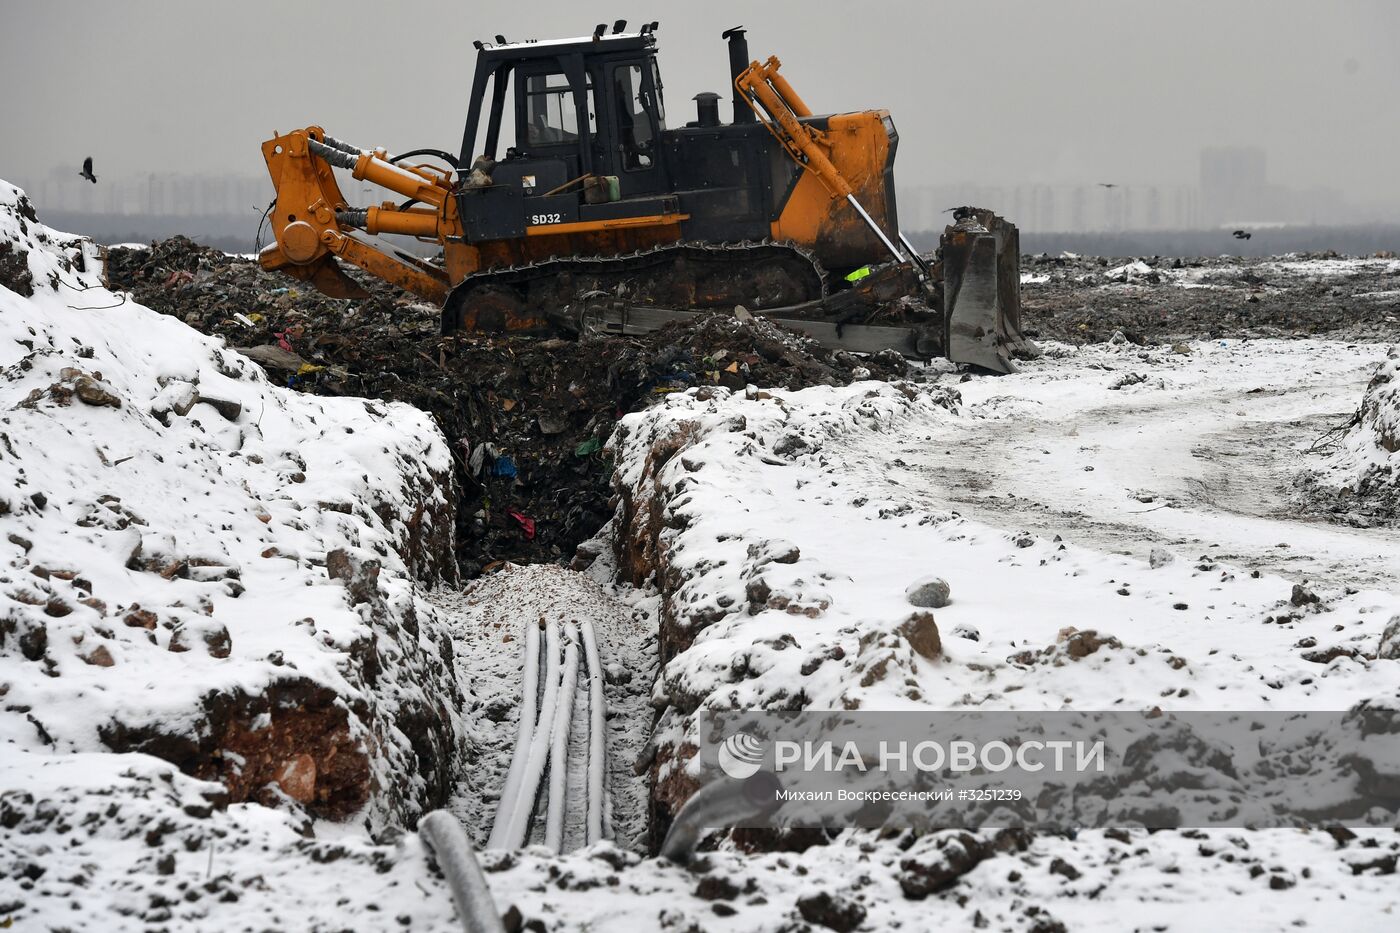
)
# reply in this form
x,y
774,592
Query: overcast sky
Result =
x,y
990,92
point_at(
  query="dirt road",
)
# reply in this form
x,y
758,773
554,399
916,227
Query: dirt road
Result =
x,y
1198,457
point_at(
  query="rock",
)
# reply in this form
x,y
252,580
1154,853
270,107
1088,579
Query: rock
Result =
x,y
297,778
1127,379
1302,596
91,390
1159,557
773,551
99,657
552,422
715,887
789,445
499,708
218,641
1082,644
177,398
1389,647
1059,866
833,911
922,634
937,861
360,577
226,407
140,618
929,593
965,630
181,639
1328,655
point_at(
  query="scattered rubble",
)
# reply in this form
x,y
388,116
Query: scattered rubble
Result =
x,y
1085,299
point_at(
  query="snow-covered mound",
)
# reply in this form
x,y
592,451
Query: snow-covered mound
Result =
x,y
198,565
802,564
1363,471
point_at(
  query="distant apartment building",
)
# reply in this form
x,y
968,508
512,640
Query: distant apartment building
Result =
x,y
1233,188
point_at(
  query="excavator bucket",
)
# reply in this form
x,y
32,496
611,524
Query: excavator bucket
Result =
x,y
981,266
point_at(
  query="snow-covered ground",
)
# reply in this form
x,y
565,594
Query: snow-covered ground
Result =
x,y
1124,449
854,487
180,539
202,570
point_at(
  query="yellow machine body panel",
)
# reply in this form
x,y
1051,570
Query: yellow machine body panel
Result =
x,y
858,146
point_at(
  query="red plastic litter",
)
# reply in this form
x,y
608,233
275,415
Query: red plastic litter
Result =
x,y
527,524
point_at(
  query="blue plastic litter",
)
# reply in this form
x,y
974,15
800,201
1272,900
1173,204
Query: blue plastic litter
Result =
x,y
503,466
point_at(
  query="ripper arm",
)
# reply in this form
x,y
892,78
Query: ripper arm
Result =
x,y
313,224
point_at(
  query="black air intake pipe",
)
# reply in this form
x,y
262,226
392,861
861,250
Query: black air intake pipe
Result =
x,y
738,63
707,109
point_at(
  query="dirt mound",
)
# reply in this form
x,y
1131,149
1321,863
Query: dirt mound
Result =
x,y
527,417
1359,482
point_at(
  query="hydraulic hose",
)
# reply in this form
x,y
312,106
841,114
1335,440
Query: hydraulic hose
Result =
x,y
342,146
354,217
340,158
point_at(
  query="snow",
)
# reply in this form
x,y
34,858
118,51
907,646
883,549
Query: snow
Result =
x,y
164,577
772,532
1367,456
866,528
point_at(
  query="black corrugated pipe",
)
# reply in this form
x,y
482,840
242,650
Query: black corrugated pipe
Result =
x,y
720,803
342,146
354,217
738,62
337,157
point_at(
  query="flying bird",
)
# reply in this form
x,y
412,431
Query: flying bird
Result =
x,y
1105,184
1241,234
87,170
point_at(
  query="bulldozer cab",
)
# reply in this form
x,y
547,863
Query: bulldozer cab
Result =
x,y
586,116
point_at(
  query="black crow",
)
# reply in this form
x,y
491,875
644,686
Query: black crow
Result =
x,y
87,170
1105,184
1241,234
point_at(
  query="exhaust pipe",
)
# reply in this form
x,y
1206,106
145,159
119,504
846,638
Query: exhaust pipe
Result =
x,y
738,64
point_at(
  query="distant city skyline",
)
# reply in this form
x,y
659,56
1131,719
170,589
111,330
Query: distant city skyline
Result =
x,y
1232,189
1035,98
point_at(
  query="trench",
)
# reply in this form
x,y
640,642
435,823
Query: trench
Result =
x,y
526,421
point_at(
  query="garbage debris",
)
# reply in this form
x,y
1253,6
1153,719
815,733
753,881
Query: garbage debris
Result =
x,y
527,417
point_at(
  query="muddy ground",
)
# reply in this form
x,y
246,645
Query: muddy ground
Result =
x,y
1163,300
527,417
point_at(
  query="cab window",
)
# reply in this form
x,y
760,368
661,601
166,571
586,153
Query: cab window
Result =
x,y
550,115
635,129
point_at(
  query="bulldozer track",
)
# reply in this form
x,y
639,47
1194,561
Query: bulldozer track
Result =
x,y
758,274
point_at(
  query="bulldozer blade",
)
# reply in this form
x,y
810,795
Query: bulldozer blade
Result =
x,y
972,310
1008,236
981,265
